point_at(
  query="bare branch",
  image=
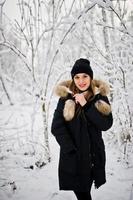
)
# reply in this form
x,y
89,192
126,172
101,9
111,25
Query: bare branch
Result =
x,y
2,3
22,31
16,51
114,28
5,89
118,17
86,10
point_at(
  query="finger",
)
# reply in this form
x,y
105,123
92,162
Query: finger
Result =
x,y
75,95
69,91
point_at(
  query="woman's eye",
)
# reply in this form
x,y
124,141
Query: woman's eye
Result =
x,y
76,77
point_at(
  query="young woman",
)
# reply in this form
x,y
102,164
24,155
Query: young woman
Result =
x,y
82,113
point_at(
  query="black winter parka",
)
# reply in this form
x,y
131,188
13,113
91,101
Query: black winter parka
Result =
x,y
82,150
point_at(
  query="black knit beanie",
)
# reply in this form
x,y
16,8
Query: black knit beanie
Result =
x,y
82,66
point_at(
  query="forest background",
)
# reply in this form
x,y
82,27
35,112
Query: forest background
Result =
x,y
39,42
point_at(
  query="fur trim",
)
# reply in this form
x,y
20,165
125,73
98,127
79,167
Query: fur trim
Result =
x,y
62,89
103,107
98,86
69,110
101,87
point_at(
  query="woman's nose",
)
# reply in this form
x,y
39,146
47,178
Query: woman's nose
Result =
x,y
81,81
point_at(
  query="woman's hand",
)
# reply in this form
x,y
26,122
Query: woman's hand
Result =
x,y
79,98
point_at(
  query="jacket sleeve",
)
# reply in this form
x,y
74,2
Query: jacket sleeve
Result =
x,y
60,131
100,120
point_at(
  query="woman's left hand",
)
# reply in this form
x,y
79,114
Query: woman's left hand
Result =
x,y
79,98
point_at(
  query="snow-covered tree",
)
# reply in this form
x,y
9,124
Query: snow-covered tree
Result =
x,y
38,49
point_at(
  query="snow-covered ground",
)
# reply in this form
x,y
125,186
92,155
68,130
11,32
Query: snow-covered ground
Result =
x,y
42,184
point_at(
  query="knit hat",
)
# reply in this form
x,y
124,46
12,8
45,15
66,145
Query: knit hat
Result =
x,y
82,66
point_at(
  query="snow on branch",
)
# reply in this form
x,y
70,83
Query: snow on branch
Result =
x,y
13,48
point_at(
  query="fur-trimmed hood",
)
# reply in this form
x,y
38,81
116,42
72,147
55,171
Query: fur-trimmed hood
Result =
x,y
98,87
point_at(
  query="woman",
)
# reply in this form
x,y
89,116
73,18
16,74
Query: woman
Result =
x,y
83,112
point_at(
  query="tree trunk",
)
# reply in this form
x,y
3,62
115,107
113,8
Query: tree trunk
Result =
x,y
47,153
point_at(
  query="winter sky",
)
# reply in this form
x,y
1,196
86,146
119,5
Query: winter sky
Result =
x,y
12,11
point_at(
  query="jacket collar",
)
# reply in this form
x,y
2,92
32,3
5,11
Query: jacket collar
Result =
x,y
98,87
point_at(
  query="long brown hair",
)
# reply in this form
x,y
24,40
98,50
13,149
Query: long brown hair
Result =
x,y
89,95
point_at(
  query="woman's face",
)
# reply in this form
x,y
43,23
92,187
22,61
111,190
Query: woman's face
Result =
x,y
82,81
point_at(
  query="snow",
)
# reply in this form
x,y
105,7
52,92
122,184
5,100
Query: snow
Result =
x,y
21,125
43,183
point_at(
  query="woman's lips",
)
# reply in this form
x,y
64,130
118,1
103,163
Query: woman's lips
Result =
x,y
82,85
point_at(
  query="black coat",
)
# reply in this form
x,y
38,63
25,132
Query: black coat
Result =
x,y
82,150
